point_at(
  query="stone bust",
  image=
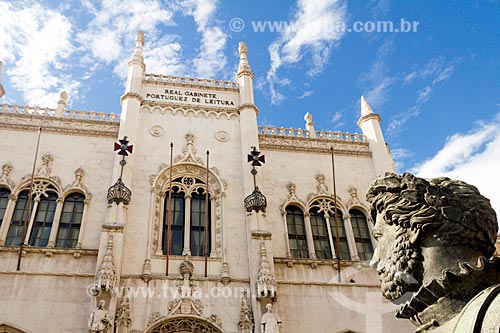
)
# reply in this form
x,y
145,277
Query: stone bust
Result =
x,y
436,238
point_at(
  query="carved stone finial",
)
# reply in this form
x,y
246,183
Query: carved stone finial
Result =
x,y
45,170
146,271
434,238
266,284
5,178
139,39
354,201
244,67
225,278
106,275
245,325
322,187
189,152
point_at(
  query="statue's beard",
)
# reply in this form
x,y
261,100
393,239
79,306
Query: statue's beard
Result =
x,y
402,272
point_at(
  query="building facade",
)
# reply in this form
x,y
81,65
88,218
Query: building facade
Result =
x,y
180,240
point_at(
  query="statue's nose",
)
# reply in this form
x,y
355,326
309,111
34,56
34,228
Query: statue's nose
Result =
x,y
375,259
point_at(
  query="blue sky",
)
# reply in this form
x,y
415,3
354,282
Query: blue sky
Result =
x,y
436,88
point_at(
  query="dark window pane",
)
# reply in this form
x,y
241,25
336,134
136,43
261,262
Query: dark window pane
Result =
x,y
361,235
43,220
198,224
4,200
71,221
176,223
342,238
15,232
296,232
320,235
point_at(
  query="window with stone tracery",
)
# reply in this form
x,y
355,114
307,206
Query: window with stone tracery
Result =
x,y
187,218
51,221
324,230
4,200
296,232
71,221
361,233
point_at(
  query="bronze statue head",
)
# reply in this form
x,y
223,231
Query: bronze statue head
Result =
x,y
424,226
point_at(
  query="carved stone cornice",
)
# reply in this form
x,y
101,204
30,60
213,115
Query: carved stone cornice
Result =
x,y
68,126
312,145
131,95
184,109
249,106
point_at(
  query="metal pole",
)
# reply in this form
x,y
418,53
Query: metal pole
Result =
x,y
337,247
206,217
169,207
28,201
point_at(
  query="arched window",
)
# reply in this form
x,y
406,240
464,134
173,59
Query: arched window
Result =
x,y
176,223
44,217
43,207
343,245
320,234
361,235
188,218
296,232
198,222
15,232
4,200
71,221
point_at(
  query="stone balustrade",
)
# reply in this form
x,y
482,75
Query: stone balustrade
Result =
x,y
302,133
194,82
66,114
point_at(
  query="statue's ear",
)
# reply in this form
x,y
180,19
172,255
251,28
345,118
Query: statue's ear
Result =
x,y
414,234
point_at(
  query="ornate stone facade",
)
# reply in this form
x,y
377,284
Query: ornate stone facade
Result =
x,y
117,253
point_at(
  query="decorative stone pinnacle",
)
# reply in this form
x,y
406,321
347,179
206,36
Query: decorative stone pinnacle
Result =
x,y
139,39
244,67
106,276
266,285
366,109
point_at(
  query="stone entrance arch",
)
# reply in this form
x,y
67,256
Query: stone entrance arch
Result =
x,y
183,324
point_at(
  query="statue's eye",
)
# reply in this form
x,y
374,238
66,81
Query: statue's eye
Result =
x,y
376,234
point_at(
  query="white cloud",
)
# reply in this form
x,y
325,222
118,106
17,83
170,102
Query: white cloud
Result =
x,y
377,77
36,42
437,70
337,119
398,155
471,157
312,31
211,60
306,93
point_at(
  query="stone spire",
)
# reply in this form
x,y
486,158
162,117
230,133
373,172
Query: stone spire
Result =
x,y
244,67
245,324
366,108
106,275
138,51
266,285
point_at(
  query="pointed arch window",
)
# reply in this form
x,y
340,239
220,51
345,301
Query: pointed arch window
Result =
x,y
296,232
343,245
4,200
15,232
44,217
198,222
176,222
361,234
320,234
188,218
71,221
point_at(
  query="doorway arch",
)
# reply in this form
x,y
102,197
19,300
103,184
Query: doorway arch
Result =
x,y
183,324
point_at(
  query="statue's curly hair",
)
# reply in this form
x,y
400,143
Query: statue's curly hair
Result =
x,y
452,210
